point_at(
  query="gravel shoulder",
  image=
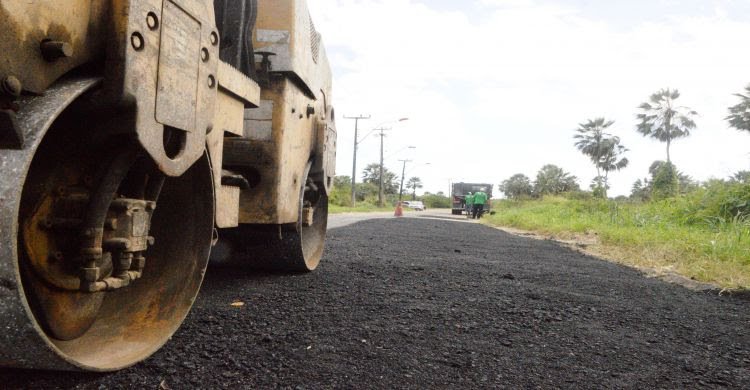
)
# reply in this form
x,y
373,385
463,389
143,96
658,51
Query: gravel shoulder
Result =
x,y
429,303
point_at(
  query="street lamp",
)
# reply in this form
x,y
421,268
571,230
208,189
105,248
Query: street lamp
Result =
x,y
354,158
357,141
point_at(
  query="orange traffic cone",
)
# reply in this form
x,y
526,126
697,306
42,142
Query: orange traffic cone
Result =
x,y
399,210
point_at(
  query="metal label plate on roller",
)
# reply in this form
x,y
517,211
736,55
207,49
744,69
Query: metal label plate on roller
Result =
x,y
179,59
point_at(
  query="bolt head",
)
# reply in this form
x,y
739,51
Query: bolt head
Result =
x,y
12,86
53,50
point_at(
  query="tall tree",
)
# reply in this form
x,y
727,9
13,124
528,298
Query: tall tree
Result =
x,y
371,174
739,114
517,186
612,159
414,183
553,180
663,120
342,181
603,149
740,177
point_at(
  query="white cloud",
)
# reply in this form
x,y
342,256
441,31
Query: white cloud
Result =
x,y
494,92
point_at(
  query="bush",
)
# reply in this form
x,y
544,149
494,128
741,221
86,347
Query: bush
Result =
x,y
717,201
666,182
433,201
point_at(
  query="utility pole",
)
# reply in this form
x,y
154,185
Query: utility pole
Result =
x,y
354,158
403,172
381,202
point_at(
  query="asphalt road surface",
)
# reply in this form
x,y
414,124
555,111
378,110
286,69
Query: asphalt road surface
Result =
x,y
438,303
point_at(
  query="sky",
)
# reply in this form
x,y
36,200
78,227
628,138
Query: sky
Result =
x,y
498,87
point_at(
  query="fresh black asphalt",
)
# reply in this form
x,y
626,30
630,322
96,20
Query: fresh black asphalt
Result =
x,y
423,303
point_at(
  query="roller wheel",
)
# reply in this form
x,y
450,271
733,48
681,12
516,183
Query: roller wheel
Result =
x,y
296,247
59,323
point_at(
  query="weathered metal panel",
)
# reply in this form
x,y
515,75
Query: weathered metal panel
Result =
x,y
240,86
138,58
227,206
82,24
281,160
284,27
177,88
236,92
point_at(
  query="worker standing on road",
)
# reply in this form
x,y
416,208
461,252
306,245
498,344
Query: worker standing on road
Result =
x,y
469,199
480,198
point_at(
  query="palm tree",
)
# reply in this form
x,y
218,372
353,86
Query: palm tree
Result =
x,y
602,148
663,120
414,183
610,160
739,114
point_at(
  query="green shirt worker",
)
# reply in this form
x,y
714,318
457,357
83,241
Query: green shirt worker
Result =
x,y
469,199
479,200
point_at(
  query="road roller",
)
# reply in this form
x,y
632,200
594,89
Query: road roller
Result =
x,y
137,135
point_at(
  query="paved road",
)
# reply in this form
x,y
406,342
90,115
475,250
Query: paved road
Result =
x,y
432,303
345,219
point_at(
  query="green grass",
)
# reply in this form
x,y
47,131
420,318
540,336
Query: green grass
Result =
x,y
667,235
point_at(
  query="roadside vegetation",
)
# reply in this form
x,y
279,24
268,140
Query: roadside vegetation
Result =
x,y
669,222
340,201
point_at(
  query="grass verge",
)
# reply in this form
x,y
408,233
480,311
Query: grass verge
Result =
x,y
644,235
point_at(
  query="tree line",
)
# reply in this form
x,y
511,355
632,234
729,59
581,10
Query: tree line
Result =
x,y
660,118
367,190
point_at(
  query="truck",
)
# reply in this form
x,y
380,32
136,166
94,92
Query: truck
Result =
x,y
458,194
135,135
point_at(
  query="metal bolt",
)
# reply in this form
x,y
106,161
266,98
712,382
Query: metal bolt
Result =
x,y
11,86
204,54
56,256
214,38
211,81
136,39
52,50
152,20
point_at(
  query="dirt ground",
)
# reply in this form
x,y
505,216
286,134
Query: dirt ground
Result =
x,y
429,303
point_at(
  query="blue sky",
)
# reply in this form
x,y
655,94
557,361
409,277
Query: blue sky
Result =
x,y
497,87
